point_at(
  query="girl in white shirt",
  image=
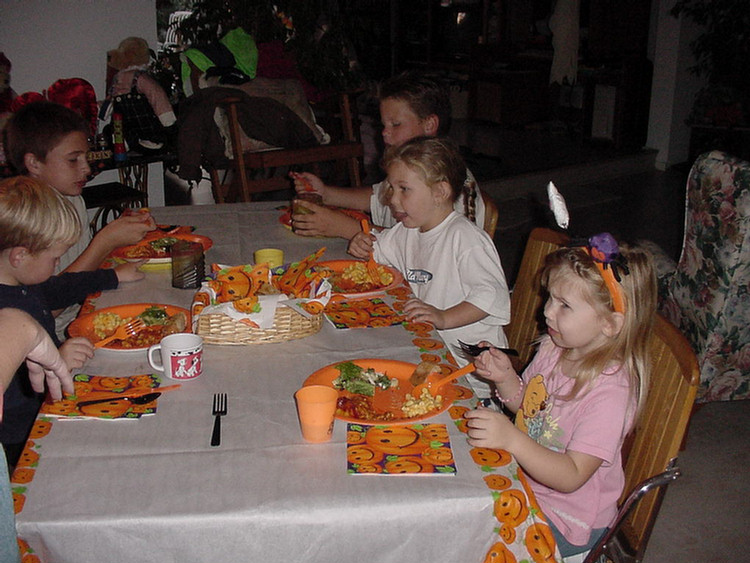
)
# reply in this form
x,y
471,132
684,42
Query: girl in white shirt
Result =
x,y
451,264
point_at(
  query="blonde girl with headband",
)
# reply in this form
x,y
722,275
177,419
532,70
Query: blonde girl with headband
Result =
x,y
578,398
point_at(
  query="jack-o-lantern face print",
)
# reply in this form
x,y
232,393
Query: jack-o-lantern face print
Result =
x,y
510,507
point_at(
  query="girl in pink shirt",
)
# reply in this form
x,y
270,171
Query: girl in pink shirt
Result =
x,y
578,398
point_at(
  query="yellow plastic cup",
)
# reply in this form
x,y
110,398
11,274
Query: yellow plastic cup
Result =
x,y
316,407
272,256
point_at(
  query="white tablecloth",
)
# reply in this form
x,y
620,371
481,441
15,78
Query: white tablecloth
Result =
x,y
153,489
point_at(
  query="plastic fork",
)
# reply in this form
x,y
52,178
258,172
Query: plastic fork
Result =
x,y
435,381
372,266
123,331
219,410
474,350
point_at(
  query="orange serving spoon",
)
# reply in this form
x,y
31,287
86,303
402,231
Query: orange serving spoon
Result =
x,y
434,381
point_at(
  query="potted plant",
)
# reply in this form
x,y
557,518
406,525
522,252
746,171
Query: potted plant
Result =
x,y
314,37
722,57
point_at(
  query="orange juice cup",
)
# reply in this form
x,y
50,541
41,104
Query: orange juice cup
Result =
x,y
316,407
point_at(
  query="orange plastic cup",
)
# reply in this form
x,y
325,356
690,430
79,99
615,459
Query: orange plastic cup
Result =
x,y
316,407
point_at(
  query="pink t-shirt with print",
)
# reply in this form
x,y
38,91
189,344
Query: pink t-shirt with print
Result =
x,y
594,424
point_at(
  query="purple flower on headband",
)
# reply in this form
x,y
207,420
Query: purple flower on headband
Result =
x,y
607,247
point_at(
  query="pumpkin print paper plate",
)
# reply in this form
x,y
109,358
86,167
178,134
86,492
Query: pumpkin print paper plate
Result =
x,y
84,326
384,401
357,291
155,248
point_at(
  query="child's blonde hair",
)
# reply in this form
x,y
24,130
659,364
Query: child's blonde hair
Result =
x,y
435,159
630,346
35,216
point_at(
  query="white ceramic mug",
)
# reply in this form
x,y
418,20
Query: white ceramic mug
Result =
x,y
180,357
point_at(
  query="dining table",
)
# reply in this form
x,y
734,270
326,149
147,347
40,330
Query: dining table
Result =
x,y
154,489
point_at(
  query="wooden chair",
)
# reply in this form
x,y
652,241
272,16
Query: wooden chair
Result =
x,y
490,215
650,453
526,299
247,166
110,200
650,461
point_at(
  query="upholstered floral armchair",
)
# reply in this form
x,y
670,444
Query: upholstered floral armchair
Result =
x,y
708,295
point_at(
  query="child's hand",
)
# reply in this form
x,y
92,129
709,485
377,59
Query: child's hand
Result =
x,y
126,229
129,271
418,311
306,182
495,365
360,245
324,222
490,429
76,352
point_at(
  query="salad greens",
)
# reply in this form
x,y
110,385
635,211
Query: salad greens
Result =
x,y
154,315
361,381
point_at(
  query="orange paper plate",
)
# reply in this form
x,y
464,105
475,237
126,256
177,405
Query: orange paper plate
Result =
x,y
122,253
384,400
339,265
84,325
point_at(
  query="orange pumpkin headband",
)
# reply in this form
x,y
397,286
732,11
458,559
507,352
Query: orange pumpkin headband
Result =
x,y
605,252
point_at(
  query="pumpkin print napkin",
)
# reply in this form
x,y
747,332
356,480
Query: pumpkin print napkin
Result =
x,y
92,387
400,449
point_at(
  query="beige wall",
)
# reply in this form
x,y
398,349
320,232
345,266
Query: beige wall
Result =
x,y
50,39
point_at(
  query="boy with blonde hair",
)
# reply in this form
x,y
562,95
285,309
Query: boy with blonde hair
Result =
x,y
37,226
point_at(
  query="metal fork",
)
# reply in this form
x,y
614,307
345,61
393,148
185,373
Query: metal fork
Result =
x,y
473,350
219,410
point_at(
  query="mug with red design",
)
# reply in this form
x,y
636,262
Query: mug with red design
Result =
x,y
180,356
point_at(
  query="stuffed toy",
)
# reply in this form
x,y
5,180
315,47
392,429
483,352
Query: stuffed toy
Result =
x,y
7,95
134,91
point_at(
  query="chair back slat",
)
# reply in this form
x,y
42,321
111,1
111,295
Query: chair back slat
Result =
x,y
527,299
661,427
491,215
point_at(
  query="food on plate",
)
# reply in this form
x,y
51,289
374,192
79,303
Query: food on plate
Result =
x,y
356,278
360,407
425,403
157,248
361,381
158,325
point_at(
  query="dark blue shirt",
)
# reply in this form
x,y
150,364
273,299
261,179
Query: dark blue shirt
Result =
x,y
20,402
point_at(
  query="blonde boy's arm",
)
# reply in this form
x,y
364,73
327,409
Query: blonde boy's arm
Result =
x,y
351,198
91,258
355,197
123,231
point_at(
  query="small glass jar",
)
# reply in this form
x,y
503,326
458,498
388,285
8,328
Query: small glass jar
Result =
x,y
188,264
311,197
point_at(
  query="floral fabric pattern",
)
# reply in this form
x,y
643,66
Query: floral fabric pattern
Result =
x,y
708,297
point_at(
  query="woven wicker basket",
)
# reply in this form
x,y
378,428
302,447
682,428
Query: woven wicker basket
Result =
x,y
288,325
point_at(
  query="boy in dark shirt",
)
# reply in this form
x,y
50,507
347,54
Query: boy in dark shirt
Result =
x,y
37,225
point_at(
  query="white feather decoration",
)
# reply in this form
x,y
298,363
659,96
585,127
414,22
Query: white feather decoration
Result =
x,y
558,207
